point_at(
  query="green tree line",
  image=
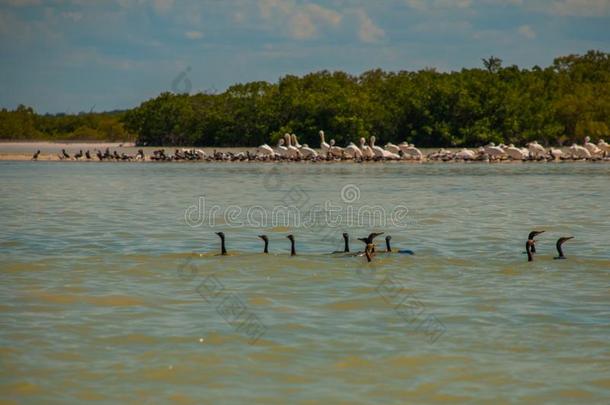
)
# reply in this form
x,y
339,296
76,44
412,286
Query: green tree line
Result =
x,y
559,104
24,124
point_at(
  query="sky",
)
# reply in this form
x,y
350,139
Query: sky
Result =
x,y
99,55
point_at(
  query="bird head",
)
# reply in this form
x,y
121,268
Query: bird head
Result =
x,y
374,235
533,234
221,235
263,237
291,237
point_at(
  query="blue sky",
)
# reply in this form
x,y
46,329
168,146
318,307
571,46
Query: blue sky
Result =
x,y
78,55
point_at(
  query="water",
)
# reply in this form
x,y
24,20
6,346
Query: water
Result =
x,y
107,294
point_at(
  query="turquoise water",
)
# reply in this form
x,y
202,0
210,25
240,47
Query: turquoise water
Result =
x,y
107,293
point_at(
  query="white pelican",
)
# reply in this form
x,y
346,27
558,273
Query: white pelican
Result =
x,y
603,146
514,152
352,151
592,148
265,150
494,152
377,150
555,153
526,152
292,151
465,154
390,147
411,151
336,151
535,149
295,141
323,145
281,150
579,152
442,153
380,152
305,150
367,152
389,155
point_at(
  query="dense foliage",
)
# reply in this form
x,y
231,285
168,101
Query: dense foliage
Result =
x,y
556,105
24,124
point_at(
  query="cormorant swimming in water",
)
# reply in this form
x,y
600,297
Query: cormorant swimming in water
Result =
x,y
369,239
292,249
560,242
223,249
389,248
65,154
88,155
264,238
531,236
35,157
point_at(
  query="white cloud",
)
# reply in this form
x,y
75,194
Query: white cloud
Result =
x,y
301,26
301,21
527,31
368,31
193,34
323,14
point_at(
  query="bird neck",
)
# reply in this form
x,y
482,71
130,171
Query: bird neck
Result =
x,y
560,250
346,249
223,249
387,245
528,249
266,247
292,249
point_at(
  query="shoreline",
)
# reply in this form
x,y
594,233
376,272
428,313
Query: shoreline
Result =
x,y
50,152
54,158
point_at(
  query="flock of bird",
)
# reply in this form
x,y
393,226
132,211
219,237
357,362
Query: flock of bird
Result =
x,y
370,247
368,252
289,149
106,155
530,245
